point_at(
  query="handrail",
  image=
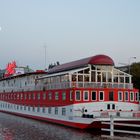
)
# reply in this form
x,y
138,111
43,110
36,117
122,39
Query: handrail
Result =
x,y
112,129
66,85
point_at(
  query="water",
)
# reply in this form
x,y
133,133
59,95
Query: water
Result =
x,y
19,128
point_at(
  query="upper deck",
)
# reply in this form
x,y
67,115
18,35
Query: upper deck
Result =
x,y
93,72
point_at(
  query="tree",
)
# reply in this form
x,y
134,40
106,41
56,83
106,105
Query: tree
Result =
x,y
135,72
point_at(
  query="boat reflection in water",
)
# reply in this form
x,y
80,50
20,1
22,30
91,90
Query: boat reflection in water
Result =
x,y
18,128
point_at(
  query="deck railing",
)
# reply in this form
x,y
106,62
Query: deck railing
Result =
x,y
66,85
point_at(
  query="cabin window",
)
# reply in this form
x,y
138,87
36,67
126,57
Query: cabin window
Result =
x,y
17,107
17,96
38,96
113,106
120,95
86,95
137,96
29,96
20,107
126,95
111,96
38,109
108,106
50,96
63,111
74,78
78,96
80,78
24,107
25,96
101,95
131,96
44,96
64,96
56,110
56,96
33,109
49,110
43,109
21,96
71,95
94,95
33,96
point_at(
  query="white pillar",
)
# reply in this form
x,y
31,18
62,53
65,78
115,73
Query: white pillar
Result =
x,y
111,126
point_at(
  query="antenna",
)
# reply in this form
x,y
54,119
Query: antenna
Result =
x,y
45,47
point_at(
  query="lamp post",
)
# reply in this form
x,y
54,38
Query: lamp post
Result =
x,y
129,64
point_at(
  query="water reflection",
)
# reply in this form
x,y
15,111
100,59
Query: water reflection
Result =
x,y
18,128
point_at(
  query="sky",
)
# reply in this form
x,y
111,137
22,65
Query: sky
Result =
x,y
68,30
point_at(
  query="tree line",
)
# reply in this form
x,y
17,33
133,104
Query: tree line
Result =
x,y
135,72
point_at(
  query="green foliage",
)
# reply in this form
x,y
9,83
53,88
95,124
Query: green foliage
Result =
x,y
135,72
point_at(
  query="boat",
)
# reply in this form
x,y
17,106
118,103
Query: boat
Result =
x,y
79,94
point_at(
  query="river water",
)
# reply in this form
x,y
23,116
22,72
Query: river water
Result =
x,y
19,128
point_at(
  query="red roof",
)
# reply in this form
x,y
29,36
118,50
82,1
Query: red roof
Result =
x,y
95,60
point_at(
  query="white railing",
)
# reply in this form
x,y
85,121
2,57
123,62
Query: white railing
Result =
x,y
66,85
112,129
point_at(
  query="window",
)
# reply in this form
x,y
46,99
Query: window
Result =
x,y
33,96
63,111
44,96
137,96
33,108
120,95
131,96
43,109
101,95
94,95
113,106
20,107
56,110
78,96
38,109
108,106
50,96
24,107
64,96
21,96
71,95
111,96
25,96
29,96
49,110
38,96
86,95
126,95
17,107
17,96
56,96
